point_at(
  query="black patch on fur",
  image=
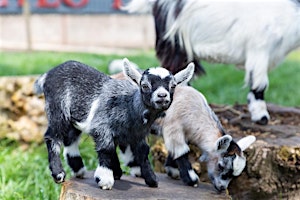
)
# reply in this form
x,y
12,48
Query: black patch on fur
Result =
x,y
75,162
258,94
173,58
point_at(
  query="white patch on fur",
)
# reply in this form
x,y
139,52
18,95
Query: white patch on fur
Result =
x,y
257,108
239,164
135,171
60,177
176,149
159,91
193,176
56,148
127,156
66,104
159,71
106,178
39,84
85,126
80,173
72,150
173,172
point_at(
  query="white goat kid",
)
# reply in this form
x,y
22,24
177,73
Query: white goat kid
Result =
x,y
256,35
190,120
114,112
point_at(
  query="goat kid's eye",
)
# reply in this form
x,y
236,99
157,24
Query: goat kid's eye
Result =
x,y
173,86
145,87
220,167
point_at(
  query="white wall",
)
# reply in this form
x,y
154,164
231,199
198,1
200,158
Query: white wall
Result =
x,y
89,33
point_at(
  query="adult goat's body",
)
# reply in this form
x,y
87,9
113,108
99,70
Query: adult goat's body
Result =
x,y
114,112
256,35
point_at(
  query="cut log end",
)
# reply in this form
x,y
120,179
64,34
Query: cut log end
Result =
x,y
135,188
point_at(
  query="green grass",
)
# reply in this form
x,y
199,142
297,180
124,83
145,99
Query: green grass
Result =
x,y
24,172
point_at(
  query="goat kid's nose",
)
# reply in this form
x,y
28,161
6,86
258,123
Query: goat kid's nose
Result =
x,y
162,95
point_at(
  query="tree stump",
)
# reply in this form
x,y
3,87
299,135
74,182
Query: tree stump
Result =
x,y
135,188
273,161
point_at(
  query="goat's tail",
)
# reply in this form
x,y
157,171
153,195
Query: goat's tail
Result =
x,y
139,6
38,86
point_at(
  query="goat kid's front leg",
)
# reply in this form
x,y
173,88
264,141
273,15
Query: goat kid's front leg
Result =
x,y
258,107
104,175
171,167
187,174
141,152
55,165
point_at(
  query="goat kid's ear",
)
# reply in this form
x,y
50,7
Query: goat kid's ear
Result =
x,y
185,75
131,72
223,143
245,142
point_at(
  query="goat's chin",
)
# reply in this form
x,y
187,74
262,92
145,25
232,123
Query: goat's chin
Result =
x,y
161,106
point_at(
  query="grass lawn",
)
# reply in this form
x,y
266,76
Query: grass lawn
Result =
x,y
24,172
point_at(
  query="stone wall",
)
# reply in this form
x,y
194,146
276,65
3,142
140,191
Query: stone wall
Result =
x,y
22,114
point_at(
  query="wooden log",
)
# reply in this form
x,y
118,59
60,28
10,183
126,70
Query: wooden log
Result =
x,y
273,161
135,188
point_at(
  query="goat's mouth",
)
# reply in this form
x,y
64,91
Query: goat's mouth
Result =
x,y
162,104
219,189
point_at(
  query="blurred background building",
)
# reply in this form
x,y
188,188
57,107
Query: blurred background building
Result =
x,y
73,25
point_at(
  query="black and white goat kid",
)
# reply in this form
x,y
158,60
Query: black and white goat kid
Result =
x,y
114,112
256,35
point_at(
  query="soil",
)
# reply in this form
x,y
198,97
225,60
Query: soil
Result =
x,y
282,129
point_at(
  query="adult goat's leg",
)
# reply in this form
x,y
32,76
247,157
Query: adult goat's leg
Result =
x,y
257,79
257,106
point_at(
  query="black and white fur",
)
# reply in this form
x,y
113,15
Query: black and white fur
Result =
x,y
256,35
114,112
190,120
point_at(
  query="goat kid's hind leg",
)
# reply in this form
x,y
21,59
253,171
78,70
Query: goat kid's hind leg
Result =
x,y
140,153
53,146
171,167
72,154
187,174
128,159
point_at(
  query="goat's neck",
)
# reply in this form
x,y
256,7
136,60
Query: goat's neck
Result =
x,y
143,111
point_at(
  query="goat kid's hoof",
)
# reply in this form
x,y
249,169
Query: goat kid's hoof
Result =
x,y
80,173
59,178
172,172
152,183
103,185
192,179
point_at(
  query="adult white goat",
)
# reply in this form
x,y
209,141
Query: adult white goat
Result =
x,y
256,35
